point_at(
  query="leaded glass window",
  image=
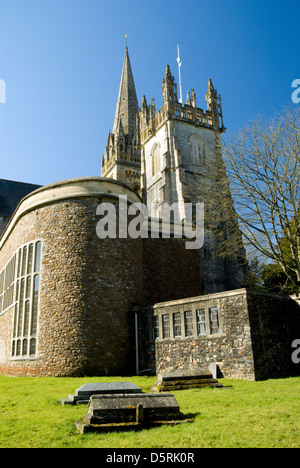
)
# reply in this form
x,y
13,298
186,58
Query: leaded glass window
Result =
x,y
26,308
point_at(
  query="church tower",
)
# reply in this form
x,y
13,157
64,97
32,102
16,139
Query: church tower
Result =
x,y
169,156
179,144
180,148
122,158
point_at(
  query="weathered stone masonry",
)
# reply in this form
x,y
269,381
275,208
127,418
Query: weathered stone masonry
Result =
x,y
91,289
88,285
254,339
76,312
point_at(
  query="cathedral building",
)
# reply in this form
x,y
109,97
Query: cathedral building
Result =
x,y
168,156
75,303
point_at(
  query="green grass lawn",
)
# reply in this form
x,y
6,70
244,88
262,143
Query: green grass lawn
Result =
x,y
243,414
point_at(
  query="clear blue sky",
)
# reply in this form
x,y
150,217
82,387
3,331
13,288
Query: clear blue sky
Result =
x,y
61,61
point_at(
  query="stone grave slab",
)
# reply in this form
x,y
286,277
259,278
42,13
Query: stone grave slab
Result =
x,y
130,412
83,394
184,380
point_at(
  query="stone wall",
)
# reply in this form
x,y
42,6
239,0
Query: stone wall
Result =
x,y
254,340
87,287
275,324
230,349
170,270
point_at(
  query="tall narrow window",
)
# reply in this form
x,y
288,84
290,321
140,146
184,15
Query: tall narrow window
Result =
x,y
201,327
155,327
19,263
21,307
35,305
197,150
7,285
37,263
177,325
2,275
26,318
214,320
24,257
30,259
26,301
155,153
188,321
166,325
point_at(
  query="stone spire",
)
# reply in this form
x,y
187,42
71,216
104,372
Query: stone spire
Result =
x,y
122,159
127,107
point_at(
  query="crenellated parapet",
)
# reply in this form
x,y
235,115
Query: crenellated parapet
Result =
x,y
151,120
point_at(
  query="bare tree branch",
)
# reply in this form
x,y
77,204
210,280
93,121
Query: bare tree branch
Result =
x,y
263,167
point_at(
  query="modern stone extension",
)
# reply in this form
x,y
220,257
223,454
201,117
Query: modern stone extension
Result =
x,y
248,334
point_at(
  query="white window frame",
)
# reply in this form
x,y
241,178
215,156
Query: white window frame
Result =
x,y
155,327
214,319
188,323
201,324
166,326
177,328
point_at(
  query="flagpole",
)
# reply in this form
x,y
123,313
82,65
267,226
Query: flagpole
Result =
x,y
179,71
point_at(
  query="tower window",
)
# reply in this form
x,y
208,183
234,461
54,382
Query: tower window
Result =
x,y
155,154
197,154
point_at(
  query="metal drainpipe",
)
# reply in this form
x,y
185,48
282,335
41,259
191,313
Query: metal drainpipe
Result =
x,y
136,344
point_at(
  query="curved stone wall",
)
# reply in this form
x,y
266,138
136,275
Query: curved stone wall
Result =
x,y
87,284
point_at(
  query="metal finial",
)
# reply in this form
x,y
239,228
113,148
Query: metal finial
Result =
x,y
179,71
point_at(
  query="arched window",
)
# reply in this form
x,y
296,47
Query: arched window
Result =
x,y
197,151
155,156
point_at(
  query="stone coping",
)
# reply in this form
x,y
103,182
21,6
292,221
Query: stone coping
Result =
x,y
219,295
85,187
68,189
